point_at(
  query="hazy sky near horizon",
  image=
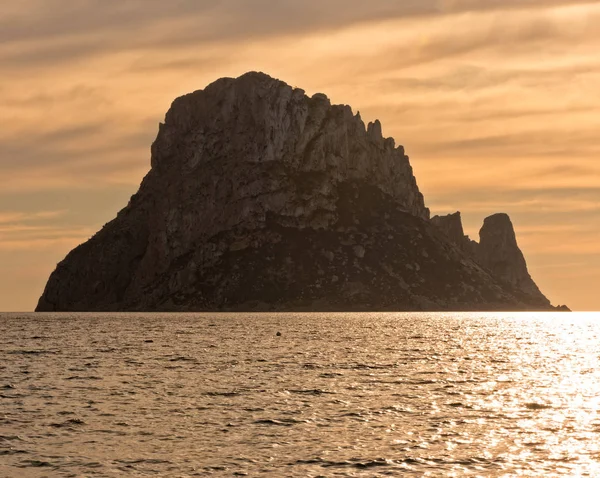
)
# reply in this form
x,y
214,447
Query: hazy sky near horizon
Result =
x,y
496,101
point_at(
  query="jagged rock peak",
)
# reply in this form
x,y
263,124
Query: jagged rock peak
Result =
x,y
498,227
266,120
451,225
375,131
498,252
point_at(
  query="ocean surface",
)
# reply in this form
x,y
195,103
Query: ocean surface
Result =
x,y
369,394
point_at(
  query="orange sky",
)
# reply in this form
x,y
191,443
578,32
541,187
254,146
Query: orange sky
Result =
x,y
496,101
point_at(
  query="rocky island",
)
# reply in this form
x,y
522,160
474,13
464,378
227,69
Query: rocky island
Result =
x,y
260,198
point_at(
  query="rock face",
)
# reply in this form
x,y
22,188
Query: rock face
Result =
x,y
497,252
451,226
261,198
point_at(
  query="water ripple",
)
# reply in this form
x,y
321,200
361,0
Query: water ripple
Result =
x,y
365,395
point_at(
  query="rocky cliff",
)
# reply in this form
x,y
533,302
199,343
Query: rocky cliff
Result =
x,y
452,227
497,252
262,198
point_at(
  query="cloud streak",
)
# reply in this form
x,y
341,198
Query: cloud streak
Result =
x,y
63,31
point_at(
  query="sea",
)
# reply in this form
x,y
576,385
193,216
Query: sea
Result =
x,y
300,395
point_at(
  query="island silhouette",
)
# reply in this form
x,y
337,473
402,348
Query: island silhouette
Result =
x,y
260,198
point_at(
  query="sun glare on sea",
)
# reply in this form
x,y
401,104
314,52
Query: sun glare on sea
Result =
x,y
468,394
552,396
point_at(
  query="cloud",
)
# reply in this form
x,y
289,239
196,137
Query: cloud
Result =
x,y
9,217
63,31
46,99
56,18
12,217
541,143
583,246
488,197
29,237
486,77
81,156
38,230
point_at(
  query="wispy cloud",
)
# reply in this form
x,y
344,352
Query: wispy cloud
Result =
x,y
21,231
11,219
62,31
21,237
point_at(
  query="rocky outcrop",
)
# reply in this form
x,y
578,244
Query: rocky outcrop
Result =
x,y
452,227
262,198
497,252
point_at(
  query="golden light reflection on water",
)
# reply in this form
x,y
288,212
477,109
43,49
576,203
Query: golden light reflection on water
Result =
x,y
558,380
335,394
